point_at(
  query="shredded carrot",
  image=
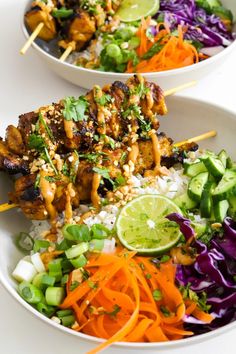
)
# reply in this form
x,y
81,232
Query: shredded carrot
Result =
x,y
128,298
174,52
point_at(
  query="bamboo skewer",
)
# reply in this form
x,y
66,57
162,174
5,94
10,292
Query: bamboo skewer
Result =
x,y
67,52
210,134
7,206
179,88
204,136
32,37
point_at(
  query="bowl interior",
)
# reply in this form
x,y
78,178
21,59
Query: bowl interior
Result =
x,y
186,118
52,47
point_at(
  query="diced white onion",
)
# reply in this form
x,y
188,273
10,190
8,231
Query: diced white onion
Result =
x,y
109,246
37,262
24,271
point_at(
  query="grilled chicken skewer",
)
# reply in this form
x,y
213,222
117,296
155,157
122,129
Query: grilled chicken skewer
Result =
x,y
75,22
81,149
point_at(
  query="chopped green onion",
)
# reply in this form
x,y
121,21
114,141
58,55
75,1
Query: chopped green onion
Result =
x,y
74,285
64,245
157,295
66,266
24,271
63,313
54,268
134,42
62,12
40,245
24,242
45,309
113,50
77,250
30,293
79,233
79,262
64,279
38,281
99,231
54,295
68,321
48,280
96,245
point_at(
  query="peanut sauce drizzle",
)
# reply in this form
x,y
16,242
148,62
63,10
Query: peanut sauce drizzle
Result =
x,y
94,192
68,126
48,190
70,193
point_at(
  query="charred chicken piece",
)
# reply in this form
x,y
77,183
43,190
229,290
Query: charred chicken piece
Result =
x,y
80,28
41,13
80,149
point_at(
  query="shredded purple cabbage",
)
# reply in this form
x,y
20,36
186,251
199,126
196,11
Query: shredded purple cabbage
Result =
x,y
209,30
213,272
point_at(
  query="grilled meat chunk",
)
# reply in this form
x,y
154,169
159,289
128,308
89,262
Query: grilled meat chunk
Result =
x,y
41,14
80,28
78,150
14,140
10,162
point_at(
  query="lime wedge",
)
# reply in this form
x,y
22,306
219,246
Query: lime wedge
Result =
x,y
133,10
142,226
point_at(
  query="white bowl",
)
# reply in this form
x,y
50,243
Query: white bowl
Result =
x,y
187,118
167,79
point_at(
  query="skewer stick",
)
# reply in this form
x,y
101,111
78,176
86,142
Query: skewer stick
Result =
x,y
179,88
6,206
204,136
67,52
31,38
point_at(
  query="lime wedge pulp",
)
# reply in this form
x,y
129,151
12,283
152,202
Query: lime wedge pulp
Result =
x,y
133,10
142,225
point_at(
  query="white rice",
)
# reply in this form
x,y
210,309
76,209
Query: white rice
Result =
x,y
171,186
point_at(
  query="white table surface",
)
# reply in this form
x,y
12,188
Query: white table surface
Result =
x,y
25,84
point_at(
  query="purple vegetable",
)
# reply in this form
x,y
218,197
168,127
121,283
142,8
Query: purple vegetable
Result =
x,y
228,244
213,272
200,27
184,224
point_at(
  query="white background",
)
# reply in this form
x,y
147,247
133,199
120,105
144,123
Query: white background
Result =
x,y
25,84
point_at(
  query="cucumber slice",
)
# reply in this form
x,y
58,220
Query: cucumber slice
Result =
x,y
223,13
223,156
220,210
206,200
184,202
214,3
194,169
196,186
214,166
226,186
232,206
199,228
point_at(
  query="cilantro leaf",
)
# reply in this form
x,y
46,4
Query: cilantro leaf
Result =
x,y
104,172
104,99
116,309
74,109
36,142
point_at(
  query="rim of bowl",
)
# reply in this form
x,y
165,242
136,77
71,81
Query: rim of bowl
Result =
x,y
157,74
126,345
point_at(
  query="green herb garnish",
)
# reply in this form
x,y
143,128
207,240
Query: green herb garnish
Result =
x,y
157,295
75,108
62,12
